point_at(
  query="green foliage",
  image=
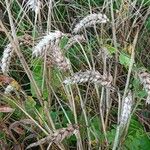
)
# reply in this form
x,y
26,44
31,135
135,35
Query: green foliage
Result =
x,y
38,76
147,24
62,17
136,138
30,104
111,49
124,59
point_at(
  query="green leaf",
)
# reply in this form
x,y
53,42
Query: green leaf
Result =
x,y
38,77
30,103
111,49
124,59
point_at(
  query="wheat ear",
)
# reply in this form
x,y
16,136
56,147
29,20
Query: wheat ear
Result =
x,y
58,136
6,59
126,109
56,58
48,41
90,20
34,5
145,80
73,40
8,53
90,76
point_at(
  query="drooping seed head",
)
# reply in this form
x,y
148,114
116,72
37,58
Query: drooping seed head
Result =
x,y
126,109
89,21
73,40
34,5
90,76
58,136
48,41
56,58
145,80
6,59
9,51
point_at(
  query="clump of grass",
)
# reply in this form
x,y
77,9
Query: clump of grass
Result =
x,y
47,63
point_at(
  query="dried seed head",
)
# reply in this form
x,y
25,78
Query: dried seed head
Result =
x,y
48,41
90,76
58,136
73,40
34,5
9,51
145,80
56,58
90,20
26,40
6,59
61,134
126,109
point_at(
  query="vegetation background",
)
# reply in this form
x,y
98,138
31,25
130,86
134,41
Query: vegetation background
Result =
x,y
41,105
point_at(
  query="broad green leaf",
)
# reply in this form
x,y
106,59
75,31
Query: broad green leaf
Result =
x,y
124,59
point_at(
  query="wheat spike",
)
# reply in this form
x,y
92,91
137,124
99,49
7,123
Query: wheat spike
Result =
x,y
126,109
48,41
34,5
145,80
73,40
56,58
26,40
58,136
6,59
9,51
90,20
89,76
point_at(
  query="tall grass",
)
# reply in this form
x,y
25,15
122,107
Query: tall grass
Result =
x,y
72,74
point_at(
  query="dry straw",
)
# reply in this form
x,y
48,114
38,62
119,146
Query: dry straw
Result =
x,y
90,76
89,21
58,136
145,80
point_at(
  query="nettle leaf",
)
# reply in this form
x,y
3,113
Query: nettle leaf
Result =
x,y
95,126
136,138
140,93
124,59
111,135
